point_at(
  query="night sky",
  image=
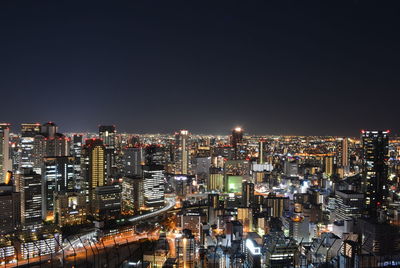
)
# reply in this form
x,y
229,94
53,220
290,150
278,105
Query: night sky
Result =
x,y
273,67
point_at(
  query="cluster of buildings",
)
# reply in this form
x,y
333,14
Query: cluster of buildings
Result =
x,y
243,201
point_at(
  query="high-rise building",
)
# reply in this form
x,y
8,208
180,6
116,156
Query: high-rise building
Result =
x,y
343,153
153,176
216,180
181,152
76,152
261,152
108,135
77,142
58,176
328,165
93,154
29,184
5,160
10,203
39,141
247,194
70,208
133,158
375,169
237,142
107,203
28,134
245,216
185,250
132,194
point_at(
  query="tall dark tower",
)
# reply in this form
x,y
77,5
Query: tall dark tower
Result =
x,y
247,194
375,169
237,141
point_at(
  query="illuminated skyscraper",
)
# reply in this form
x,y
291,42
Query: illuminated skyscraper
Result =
x,y
58,177
185,250
5,161
328,165
237,141
132,194
153,176
28,134
29,184
344,153
38,142
94,165
261,152
108,135
181,154
247,194
375,169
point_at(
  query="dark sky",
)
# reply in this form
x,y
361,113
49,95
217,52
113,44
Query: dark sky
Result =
x,y
273,67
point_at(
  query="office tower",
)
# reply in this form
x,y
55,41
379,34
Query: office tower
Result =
x,y
237,142
108,135
280,250
245,216
216,180
185,250
29,184
54,143
70,208
297,227
181,152
328,165
375,169
5,160
93,169
133,158
247,194
107,203
261,152
28,134
58,176
276,205
49,130
39,141
76,152
379,239
253,252
132,194
153,176
291,168
348,204
77,142
10,203
343,153
157,155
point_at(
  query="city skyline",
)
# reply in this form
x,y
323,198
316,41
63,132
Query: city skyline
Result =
x,y
281,68
184,134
